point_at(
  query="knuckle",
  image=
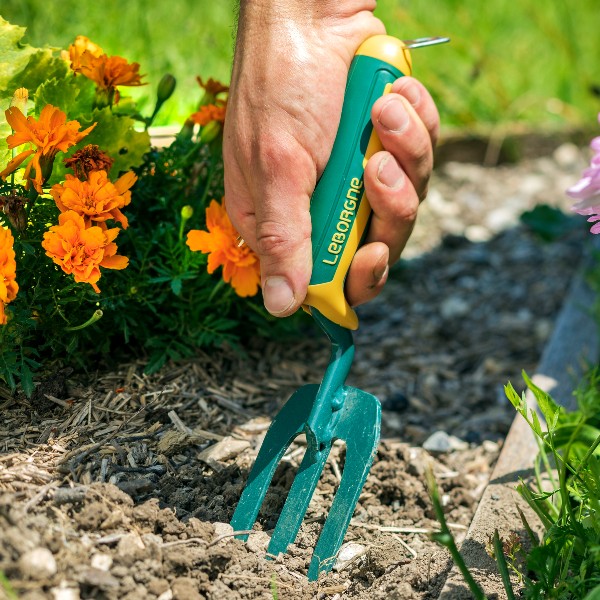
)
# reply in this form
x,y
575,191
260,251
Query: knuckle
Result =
x,y
278,239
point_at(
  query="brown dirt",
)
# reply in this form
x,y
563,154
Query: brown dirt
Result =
x,y
122,486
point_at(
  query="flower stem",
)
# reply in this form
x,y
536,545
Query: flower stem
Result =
x,y
95,317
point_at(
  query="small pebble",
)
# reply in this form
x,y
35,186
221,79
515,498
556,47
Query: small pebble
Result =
x,y
101,561
567,155
222,529
454,307
64,592
38,564
348,552
258,542
440,442
130,544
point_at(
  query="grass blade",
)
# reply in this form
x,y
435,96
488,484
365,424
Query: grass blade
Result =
x,y
503,566
532,537
445,538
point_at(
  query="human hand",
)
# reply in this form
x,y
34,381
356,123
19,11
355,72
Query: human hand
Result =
x,y
290,70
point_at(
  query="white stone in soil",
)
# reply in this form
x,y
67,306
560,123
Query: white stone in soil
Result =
x,y
348,552
477,233
101,561
222,529
567,156
440,205
440,442
129,544
453,307
37,564
500,219
258,542
65,592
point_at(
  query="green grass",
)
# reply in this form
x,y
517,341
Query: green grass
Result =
x,y
565,496
508,61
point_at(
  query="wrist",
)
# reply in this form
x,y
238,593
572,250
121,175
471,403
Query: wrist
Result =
x,y
301,11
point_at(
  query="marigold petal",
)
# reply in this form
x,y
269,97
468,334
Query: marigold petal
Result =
x,y
200,241
115,262
245,281
125,182
215,260
16,119
14,164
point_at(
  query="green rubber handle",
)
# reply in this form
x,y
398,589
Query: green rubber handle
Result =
x,y
339,208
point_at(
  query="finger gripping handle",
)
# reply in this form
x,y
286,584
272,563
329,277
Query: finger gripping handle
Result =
x,y
339,208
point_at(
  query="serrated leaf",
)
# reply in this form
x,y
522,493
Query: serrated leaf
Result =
x,y
42,65
14,55
73,95
115,135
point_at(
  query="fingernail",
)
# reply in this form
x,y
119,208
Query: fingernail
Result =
x,y
389,173
394,116
277,295
412,93
380,270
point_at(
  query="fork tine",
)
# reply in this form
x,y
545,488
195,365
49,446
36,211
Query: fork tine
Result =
x,y
287,424
297,502
359,427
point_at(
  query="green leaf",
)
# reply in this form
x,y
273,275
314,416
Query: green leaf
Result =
x,y
73,95
594,594
176,286
115,135
514,398
548,223
27,380
5,131
546,403
42,65
502,566
14,55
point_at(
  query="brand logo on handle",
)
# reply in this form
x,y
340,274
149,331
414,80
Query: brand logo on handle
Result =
x,y
345,220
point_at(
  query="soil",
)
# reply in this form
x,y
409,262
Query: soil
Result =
x,y
123,486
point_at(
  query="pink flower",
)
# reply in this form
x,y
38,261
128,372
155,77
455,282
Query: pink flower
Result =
x,y
587,189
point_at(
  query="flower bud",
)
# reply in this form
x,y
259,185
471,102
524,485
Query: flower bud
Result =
x,y
166,87
186,212
210,132
18,219
19,99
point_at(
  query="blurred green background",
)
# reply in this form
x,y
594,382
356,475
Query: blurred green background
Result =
x,y
528,61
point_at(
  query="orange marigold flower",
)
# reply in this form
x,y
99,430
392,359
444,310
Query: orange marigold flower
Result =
x,y
50,134
78,47
212,87
241,267
97,198
8,271
81,250
209,112
107,72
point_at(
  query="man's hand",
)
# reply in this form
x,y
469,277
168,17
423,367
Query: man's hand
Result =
x,y
287,90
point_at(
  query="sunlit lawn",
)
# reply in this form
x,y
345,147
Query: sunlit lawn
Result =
x,y
508,61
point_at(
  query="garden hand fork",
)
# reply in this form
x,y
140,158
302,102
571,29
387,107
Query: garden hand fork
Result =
x,y
330,411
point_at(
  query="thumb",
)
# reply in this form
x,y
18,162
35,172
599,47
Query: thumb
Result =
x,y
283,245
